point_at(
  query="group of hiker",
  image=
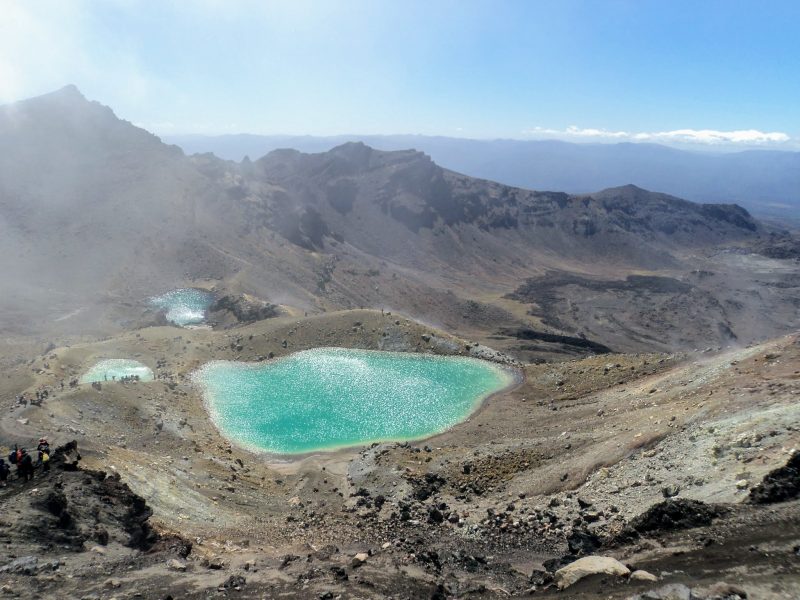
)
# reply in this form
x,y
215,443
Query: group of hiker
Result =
x,y
122,379
25,463
39,396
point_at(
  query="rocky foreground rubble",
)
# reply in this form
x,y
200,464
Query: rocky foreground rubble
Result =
x,y
653,476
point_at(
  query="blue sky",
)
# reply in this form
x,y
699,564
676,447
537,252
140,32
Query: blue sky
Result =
x,y
663,71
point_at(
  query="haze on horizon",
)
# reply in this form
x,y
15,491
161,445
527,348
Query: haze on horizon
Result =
x,y
715,75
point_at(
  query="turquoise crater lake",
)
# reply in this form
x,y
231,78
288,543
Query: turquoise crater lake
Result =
x,y
115,369
331,398
185,306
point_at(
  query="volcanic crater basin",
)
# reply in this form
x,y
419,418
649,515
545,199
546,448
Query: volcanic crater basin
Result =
x,y
332,398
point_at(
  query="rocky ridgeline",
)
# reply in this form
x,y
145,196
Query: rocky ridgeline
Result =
x,y
242,308
48,523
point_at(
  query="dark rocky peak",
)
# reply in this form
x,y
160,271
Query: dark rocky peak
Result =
x,y
69,91
65,102
633,200
348,160
730,213
356,153
212,166
364,158
356,158
630,193
279,162
68,96
66,120
628,189
281,154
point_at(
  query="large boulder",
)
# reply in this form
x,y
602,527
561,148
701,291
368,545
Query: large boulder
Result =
x,y
670,515
589,565
779,485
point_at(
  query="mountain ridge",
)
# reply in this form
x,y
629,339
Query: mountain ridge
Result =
x,y
764,181
119,214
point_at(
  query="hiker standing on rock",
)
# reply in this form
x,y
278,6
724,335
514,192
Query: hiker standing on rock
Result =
x,y
44,454
44,460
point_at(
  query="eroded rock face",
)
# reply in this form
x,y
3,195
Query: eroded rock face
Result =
x,y
779,485
672,514
243,308
28,565
75,507
589,565
486,353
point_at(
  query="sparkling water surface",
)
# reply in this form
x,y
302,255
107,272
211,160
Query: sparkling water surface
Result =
x,y
185,306
117,368
330,398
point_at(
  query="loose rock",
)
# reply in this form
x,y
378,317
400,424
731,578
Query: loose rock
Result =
x,y
589,565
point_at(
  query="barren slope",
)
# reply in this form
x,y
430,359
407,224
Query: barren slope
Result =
x,y
480,507
97,214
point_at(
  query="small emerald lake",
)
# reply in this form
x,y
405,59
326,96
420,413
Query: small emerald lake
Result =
x,y
184,306
331,398
114,369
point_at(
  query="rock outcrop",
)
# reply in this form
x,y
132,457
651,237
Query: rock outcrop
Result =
x,y
779,485
587,566
243,308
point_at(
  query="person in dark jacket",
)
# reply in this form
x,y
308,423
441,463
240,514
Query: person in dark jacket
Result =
x,y
12,457
25,466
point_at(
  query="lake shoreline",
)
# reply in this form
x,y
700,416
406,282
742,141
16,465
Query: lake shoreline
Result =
x,y
508,378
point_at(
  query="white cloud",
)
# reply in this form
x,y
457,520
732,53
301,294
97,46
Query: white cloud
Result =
x,y
711,136
691,136
576,131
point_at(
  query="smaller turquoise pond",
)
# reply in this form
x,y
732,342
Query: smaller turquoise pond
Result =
x,y
185,306
115,369
331,398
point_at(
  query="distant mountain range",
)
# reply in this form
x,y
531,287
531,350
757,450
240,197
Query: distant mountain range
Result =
x,y
765,182
97,214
